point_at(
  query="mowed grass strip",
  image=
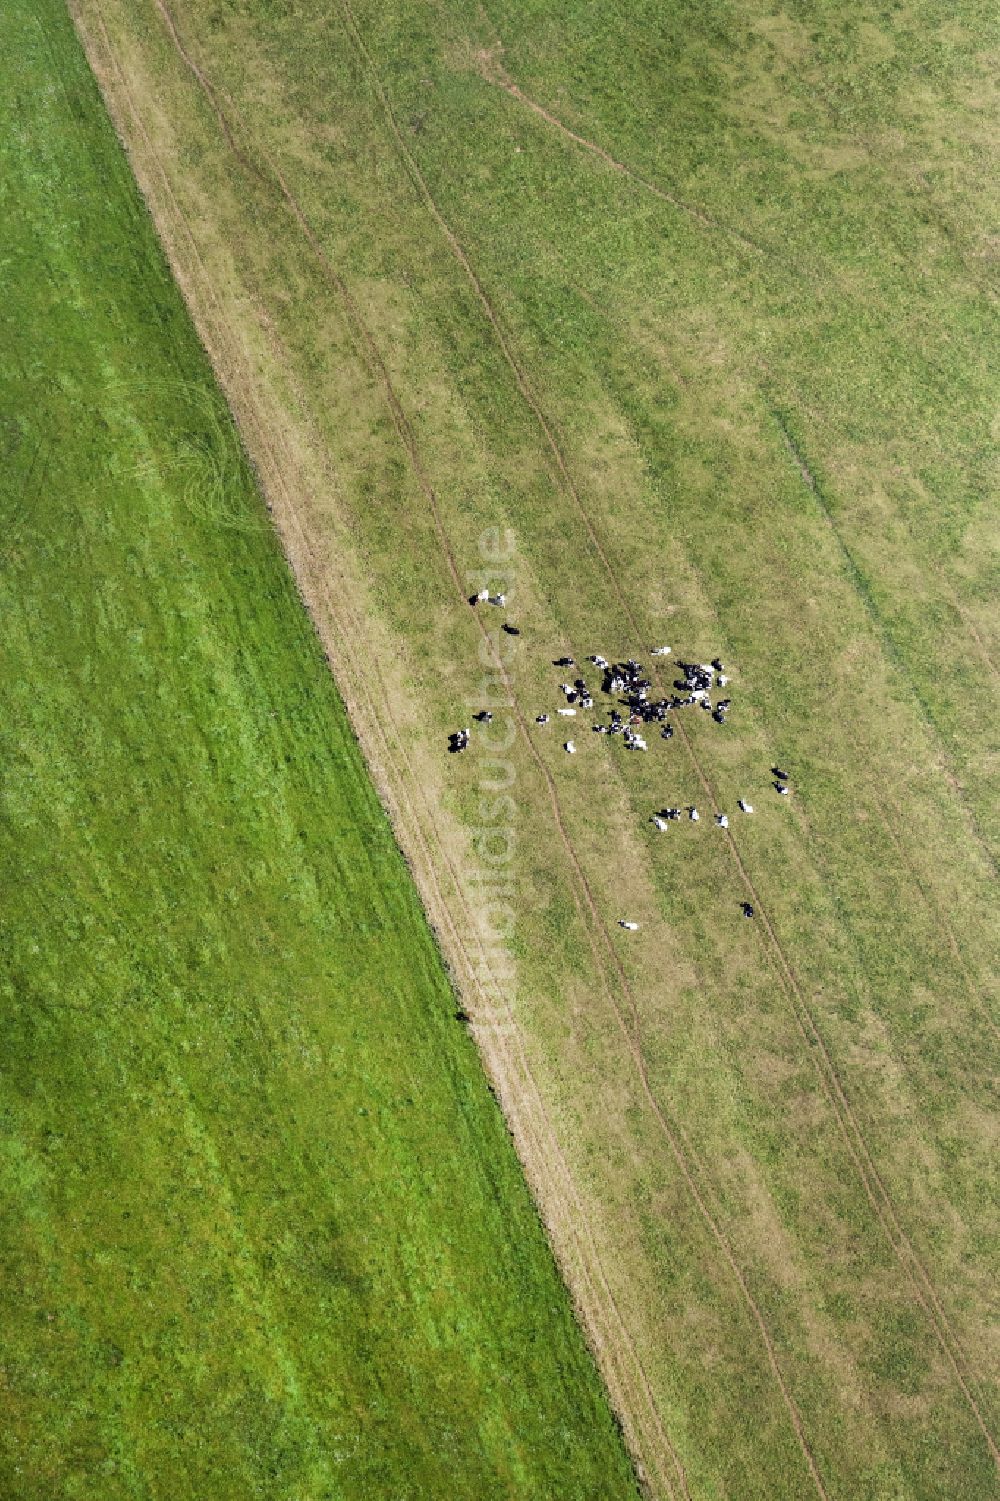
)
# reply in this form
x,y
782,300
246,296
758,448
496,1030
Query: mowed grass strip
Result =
x,y
263,1230
830,1087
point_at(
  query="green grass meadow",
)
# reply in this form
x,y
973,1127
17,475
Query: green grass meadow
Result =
x,y
698,301
763,353
263,1231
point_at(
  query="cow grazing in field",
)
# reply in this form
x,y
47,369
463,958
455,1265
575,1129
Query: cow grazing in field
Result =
x,y
541,719
483,717
746,909
658,823
500,600
667,733
694,815
458,741
744,806
564,662
660,651
566,713
782,776
630,927
510,630
722,820
781,789
569,748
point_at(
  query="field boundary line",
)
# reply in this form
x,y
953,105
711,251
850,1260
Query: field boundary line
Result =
x,y
829,1077
546,1143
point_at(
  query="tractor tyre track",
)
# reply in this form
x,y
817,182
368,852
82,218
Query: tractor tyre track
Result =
x,y
499,80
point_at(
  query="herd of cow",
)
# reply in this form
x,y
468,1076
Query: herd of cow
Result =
x,y
633,711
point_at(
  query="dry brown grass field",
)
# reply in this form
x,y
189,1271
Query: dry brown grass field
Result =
x,y
692,307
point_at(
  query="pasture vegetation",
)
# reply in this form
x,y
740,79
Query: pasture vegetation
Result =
x,y
263,1232
735,397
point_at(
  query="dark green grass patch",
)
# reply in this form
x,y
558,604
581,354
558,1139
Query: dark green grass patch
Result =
x,y
263,1231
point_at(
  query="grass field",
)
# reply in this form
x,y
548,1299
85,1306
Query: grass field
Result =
x,y
264,1232
696,301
